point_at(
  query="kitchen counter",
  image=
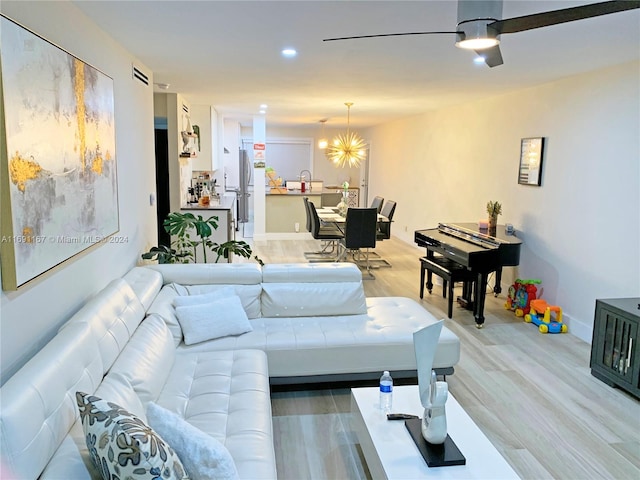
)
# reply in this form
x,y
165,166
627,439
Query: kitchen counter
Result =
x,y
298,193
226,203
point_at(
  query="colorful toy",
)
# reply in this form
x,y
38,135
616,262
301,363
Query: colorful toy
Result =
x,y
520,295
540,314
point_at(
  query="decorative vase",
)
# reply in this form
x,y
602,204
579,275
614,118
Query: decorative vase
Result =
x,y
493,223
344,204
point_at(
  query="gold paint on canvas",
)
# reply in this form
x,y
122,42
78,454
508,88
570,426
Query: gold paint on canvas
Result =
x,y
21,170
80,109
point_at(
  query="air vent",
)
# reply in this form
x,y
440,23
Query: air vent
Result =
x,y
140,76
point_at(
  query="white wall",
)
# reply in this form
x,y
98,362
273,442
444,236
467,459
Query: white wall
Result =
x,y
581,229
32,315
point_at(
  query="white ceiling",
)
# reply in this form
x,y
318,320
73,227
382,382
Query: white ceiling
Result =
x,y
227,54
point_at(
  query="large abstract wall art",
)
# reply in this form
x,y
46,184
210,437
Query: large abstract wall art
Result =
x,y
59,192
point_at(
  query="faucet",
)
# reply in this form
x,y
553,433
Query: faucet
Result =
x,y
302,171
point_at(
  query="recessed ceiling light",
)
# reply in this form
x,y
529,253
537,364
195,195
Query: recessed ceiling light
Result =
x,y
478,60
289,52
263,106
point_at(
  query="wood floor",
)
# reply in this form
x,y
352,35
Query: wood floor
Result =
x,y
531,394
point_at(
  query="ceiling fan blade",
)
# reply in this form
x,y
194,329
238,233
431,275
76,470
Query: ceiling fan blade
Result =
x,y
387,35
554,17
492,56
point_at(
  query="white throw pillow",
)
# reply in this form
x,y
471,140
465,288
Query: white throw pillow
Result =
x,y
213,320
203,456
122,446
203,298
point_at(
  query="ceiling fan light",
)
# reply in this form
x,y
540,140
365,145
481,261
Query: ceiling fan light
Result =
x,y
476,35
477,43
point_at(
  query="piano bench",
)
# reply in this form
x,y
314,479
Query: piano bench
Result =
x,y
450,272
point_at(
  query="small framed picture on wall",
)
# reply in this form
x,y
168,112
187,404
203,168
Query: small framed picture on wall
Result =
x,y
531,156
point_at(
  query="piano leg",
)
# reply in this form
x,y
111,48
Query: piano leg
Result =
x,y
498,288
429,281
479,297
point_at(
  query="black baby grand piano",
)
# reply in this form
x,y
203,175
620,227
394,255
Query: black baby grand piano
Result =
x,y
476,250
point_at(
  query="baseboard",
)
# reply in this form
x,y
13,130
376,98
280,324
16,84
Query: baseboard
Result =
x,y
578,328
287,236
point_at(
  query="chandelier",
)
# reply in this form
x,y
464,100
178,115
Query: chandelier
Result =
x,y
347,149
323,143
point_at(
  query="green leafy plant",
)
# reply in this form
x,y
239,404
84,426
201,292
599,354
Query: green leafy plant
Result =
x,y
494,209
183,248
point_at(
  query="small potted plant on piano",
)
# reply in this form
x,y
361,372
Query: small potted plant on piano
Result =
x,y
493,209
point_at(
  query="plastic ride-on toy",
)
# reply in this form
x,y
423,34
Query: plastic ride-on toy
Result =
x,y
540,314
521,293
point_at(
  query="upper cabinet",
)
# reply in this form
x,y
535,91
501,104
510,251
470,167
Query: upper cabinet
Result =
x,y
204,122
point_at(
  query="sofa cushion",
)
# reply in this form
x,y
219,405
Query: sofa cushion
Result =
x,y
249,295
314,289
145,283
163,307
163,304
312,299
72,459
203,456
121,445
210,273
113,315
323,345
226,395
147,359
185,299
311,273
38,401
216,319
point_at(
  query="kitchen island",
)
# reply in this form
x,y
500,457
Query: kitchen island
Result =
x,y
286,210
223,209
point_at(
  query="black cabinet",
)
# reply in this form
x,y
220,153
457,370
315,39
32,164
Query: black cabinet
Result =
x,y
614,356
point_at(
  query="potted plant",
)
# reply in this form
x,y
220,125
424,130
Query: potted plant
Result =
x,y
183,247
493,209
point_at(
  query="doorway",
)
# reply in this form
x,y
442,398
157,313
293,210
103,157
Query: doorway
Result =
x,y
162,184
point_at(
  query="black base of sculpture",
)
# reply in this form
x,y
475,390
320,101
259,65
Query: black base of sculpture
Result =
x,y
443,455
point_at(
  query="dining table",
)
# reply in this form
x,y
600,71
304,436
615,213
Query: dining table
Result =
x,y
331,215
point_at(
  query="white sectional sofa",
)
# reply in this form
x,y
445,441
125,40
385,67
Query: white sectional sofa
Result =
x,y
309,322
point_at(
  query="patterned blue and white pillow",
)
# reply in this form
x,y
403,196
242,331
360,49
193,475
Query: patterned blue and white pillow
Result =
x,y
123,446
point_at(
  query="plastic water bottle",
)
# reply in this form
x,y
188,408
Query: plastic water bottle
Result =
x,y
386,391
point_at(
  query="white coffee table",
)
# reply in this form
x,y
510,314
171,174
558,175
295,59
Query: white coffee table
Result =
x,y
391,453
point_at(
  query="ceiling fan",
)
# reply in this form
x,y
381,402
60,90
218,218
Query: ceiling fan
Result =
x,y
479,27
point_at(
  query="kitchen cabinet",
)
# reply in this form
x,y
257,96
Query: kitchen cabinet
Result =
x,y
614,357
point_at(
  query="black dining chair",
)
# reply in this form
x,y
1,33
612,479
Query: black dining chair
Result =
x,y
360,233
377,203
384,230
327,233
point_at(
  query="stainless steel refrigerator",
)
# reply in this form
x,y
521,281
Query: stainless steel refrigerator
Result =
x,y
244,174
